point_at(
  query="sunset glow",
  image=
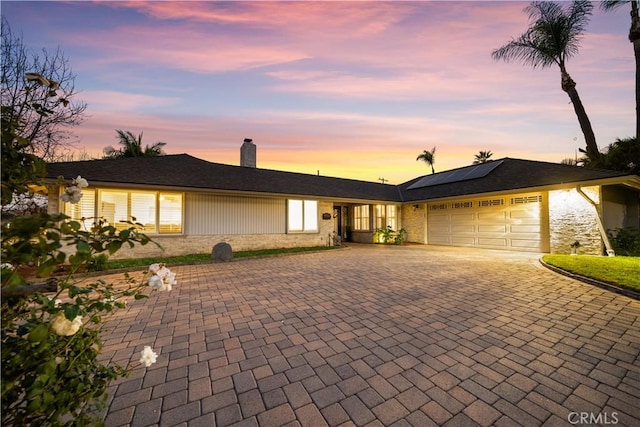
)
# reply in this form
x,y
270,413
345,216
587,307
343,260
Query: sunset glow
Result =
x,y
348,89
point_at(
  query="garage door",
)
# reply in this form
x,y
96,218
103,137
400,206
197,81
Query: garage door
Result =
x,y
510,222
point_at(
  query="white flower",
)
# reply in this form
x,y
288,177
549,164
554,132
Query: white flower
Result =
x,y
62,326
71,194
56,302
153,268
6,266
80,182
148,356
155,282
162,278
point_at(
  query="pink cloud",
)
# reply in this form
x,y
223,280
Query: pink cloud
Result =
x,y
435,54
113,100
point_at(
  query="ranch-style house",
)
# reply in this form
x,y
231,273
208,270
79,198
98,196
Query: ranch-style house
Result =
x,y
188,204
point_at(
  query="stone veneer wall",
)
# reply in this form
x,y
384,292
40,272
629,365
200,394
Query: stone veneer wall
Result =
x,y
184,245
572,218
415,221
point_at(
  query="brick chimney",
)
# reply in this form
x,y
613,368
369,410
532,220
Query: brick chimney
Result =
x,y
248,153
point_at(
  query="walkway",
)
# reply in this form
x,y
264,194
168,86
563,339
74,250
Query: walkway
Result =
x,y
378,336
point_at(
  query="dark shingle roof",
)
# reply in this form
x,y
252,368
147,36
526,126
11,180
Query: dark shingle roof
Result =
x,y
185,171
511,174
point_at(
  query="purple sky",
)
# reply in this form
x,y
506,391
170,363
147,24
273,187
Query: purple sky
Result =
x,y
352,89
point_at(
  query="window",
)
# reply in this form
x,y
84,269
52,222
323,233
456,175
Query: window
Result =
x,y
461,205
302,216
491,202
379,216
392,217
361,217
170,213
525,199
85,210
158,212
386,216
439,206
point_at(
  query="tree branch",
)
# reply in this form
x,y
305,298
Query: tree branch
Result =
x,y
50,285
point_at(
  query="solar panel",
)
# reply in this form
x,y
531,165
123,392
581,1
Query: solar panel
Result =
x,y
456,175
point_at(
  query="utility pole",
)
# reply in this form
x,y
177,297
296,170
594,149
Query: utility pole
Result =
x,y
383,180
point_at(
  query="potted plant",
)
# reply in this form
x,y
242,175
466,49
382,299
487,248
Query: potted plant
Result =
x,y
574,247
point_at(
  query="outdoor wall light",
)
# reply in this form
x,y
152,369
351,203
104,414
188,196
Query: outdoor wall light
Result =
x,y
415,207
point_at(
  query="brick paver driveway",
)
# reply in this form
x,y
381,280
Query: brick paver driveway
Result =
x,y
375,335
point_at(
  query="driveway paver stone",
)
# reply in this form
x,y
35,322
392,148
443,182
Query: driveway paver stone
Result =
x,y
377,335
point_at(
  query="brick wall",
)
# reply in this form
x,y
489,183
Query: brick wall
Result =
x,y
414,221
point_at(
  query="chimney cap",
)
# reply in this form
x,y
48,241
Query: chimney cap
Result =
x,y
248,140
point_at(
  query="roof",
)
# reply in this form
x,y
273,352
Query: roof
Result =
x,y
185,171
509,174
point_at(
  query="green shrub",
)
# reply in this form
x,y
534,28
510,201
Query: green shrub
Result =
x,y
625,241
98,263
388,236
51,375
51,372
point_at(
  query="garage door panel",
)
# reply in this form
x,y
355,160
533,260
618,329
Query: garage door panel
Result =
x,y
463,241
484,241
440,240
525,228
491,216
526,244
486,228
463,217
509,223
524,214
463,228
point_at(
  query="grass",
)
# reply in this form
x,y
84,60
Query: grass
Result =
x,y
202,258
619,271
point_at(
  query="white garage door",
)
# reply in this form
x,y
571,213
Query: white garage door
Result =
x,y
510,222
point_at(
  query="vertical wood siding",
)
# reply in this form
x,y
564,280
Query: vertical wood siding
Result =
x,y
207,214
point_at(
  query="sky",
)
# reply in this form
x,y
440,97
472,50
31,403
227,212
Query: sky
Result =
x,y
346,89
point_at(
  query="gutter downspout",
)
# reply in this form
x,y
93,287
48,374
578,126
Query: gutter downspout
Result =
x,y
603,233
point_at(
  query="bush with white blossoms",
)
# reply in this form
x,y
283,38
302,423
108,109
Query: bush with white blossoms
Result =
x,y
73,192
52,374
162,279
148,356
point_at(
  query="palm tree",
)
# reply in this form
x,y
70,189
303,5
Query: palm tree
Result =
x,y
131,146
623,155
553,38
634,37
429,158
482,157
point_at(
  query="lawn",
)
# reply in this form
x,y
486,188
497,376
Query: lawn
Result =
x,y
201,258
620,271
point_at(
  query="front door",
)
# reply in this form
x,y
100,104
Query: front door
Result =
x,y
337,221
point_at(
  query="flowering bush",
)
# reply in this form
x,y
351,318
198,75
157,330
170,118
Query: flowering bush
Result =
x,y
51,319
161,277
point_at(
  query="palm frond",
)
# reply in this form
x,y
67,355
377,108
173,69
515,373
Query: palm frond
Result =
x,y
553,36
612,4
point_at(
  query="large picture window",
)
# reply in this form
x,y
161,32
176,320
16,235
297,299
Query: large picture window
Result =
x,y
302,216
361,217
158,212
85,210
